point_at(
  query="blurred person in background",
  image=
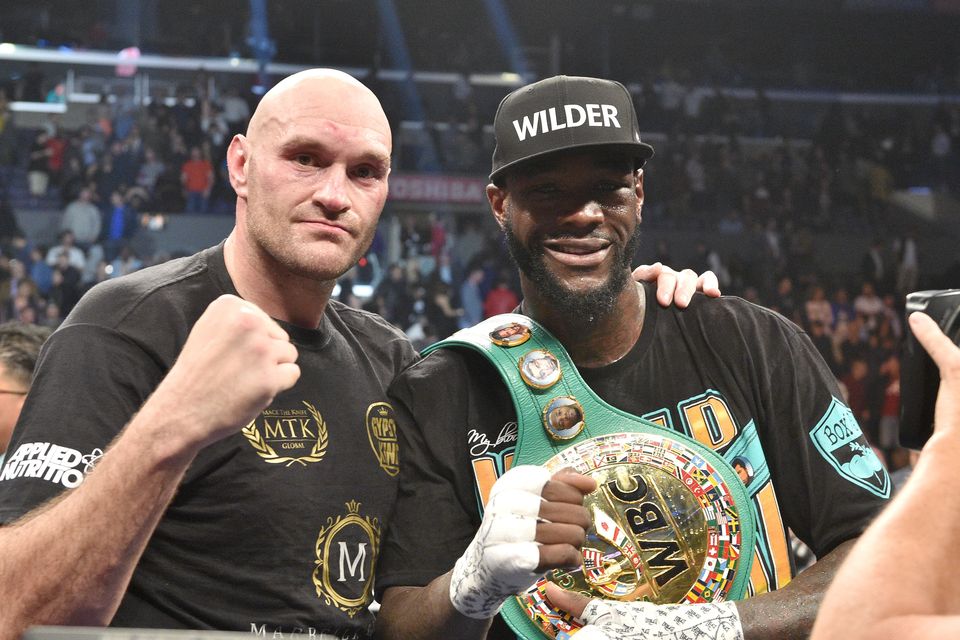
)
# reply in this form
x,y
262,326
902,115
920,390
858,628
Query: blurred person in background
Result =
x,y
19,347
83,219
196,174
38,167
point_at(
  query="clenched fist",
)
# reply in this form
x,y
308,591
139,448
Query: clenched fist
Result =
x,y
235,361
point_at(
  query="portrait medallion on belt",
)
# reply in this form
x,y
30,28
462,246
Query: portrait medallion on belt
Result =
x,y
563,418
540,369
510,334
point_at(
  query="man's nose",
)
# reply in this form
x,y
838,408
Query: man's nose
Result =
x,y
584,214
331,192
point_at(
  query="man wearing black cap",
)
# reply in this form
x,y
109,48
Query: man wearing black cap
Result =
x,y
471,529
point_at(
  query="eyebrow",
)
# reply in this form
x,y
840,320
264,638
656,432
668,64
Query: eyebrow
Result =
x,y
379,159
301,142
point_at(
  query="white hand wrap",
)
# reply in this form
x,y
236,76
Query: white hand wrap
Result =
x,y
611,620
501,560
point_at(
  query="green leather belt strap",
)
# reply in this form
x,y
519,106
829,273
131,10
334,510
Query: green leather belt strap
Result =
x,y
536,446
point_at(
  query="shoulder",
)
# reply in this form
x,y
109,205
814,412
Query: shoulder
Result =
x,y
732,315
371,332
447,360
364,322
175,292
445,372
727,331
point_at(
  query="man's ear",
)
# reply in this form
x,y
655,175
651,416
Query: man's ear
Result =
x,y
238,153
639,189
497,198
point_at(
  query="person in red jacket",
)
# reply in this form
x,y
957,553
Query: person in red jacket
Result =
x,y
501,299
197,178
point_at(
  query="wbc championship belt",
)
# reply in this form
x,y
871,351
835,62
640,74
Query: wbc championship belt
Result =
x,y
671,520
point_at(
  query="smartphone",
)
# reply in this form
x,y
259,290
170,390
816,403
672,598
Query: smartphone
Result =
x,y
919,378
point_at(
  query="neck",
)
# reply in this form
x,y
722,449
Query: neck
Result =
x,y
591,341
283,295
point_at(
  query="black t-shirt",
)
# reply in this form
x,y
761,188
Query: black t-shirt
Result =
x,y
273,529
735,376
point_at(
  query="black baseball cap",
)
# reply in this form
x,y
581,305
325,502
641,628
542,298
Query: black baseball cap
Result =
x,y
565,112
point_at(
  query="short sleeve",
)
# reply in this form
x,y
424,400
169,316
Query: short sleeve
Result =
x,y
89,382
440,401
829,482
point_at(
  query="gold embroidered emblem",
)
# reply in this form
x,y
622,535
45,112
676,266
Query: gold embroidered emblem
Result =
x,y
289,430
382,432
343,575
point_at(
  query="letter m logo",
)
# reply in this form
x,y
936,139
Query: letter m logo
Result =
x,y
352,565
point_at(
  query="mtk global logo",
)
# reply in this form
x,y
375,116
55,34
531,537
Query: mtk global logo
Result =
x,y
288,436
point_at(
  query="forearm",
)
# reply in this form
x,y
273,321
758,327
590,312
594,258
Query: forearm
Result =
x,y
790,612
877,585
425,613
533,522
74,557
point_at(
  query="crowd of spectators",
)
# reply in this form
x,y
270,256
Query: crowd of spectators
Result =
x,y
159,158
122,162
826,166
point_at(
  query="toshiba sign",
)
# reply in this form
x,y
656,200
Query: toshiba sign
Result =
x,y
449,189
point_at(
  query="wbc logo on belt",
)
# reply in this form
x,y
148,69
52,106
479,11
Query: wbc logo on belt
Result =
x,y
665,527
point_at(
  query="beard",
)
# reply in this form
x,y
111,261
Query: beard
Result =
x,y
591,305
322,262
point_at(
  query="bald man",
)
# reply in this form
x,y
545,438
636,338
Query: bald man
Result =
x,y
210,438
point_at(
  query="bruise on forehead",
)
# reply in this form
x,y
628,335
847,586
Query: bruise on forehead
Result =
x,y
326,93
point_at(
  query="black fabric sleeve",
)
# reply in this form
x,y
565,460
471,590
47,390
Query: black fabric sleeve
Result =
x,y
436,514
819,502
90,380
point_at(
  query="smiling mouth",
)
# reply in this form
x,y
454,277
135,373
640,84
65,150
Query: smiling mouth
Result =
x,y
579,252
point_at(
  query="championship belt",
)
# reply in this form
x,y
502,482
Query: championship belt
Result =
x,y
672,521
